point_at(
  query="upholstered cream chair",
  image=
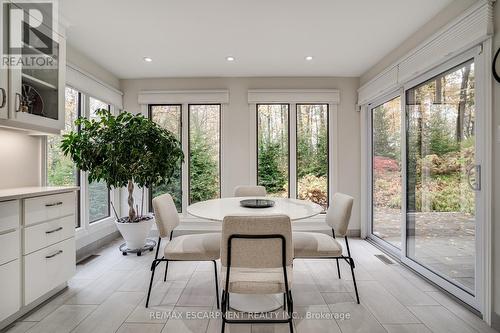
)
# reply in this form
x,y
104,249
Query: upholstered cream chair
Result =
x,y
250,191
196,247
256,258
321,246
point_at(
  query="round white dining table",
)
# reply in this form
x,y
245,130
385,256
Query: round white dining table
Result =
x,y
217,209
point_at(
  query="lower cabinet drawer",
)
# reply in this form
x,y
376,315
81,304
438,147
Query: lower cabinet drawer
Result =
x,y
9,215
48,268
48,207
42,235
10,246
10,289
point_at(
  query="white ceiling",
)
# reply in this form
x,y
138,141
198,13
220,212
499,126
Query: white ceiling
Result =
x,y
190,38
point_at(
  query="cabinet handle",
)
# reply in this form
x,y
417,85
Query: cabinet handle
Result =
x,y
54,204
4,98
54,230
18,102
53,255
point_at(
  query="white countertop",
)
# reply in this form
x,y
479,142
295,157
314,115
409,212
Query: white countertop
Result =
x,y
33,191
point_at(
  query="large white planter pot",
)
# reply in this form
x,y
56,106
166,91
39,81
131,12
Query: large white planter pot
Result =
x,y
135,234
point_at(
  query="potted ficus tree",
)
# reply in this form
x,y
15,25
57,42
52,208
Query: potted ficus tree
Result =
x,y
124,151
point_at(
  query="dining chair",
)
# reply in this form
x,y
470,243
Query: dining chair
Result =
x,y
250,191
195,247
314,245
256,258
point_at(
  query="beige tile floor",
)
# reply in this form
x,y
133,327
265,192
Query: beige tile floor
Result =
x,y
108,295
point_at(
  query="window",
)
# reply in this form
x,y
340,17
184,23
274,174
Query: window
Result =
x,y
60,169
169,117
98,192
273,148
308,135
312,153
201,151
386,171
204,152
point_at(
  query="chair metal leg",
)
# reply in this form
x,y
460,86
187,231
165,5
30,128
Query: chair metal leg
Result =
x,y
166,269
338,267
284,302
216,284
153,267
291,326
354,279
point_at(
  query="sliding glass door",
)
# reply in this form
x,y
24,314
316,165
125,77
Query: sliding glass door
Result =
x,y
441,164
386,171
427,143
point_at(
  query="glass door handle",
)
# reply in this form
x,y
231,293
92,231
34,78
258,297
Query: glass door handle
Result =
x,y
474,184
4,98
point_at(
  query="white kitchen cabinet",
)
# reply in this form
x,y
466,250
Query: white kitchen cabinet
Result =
x,y
9,215
10,246
10,278
46,269
10,288
38,255
48,207
45,234
35,90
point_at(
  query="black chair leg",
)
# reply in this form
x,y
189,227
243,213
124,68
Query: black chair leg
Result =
x,y
166,269
216,284
354,279
151,282
338,267
284,302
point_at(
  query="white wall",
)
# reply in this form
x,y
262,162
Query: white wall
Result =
x,y
20,159
236,129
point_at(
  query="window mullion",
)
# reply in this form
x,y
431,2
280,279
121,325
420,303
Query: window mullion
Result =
x,y
292,134
84,181
185,149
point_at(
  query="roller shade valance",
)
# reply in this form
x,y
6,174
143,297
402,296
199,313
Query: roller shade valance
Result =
x,y
219,96
88,84
293,96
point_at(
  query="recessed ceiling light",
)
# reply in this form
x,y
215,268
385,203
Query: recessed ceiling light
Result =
x,y
230,58
147,59
309,58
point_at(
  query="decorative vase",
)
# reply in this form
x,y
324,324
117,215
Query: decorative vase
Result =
x,y
135,234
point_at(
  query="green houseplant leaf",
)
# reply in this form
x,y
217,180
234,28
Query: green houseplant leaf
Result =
x,y
123,150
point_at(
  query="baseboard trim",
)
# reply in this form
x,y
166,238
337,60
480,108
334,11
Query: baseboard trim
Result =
x,y
91,248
